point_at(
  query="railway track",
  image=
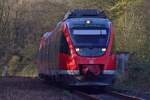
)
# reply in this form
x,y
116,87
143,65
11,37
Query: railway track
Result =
x,y
35,83
107,95
124,96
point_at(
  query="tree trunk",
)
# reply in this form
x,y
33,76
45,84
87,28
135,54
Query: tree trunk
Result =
x,y
5,70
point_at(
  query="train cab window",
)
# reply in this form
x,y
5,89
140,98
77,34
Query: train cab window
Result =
x,y
64,48
90,37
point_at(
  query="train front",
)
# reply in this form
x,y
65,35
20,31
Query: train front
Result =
x,y
90,43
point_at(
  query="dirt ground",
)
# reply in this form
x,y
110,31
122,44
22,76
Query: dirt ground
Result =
x,y
31,89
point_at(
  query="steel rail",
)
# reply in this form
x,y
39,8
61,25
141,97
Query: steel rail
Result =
x,y
123,96
85,96
115,94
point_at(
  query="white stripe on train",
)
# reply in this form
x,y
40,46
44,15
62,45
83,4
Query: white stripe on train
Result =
x,y
69,72
76,72
109,72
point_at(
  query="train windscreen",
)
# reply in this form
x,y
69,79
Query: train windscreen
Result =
x,y
90,42
90,38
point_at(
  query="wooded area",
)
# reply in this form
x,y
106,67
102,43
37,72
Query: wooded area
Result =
x,y
22,22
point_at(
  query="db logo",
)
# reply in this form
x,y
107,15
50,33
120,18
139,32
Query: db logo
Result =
x,y
91,62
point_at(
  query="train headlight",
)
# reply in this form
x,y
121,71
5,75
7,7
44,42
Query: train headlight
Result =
x,y
103,49
77,49
88,22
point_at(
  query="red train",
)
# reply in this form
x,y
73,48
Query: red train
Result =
x,y
78,51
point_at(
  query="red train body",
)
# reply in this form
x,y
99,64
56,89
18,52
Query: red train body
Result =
x,y
79,50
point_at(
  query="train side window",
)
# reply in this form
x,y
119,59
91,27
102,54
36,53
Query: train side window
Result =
x,y
39,55
64,48
42,55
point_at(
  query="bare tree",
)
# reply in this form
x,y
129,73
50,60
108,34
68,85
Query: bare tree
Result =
x,y
4,33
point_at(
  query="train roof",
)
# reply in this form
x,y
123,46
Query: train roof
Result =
x,y
85,13
83,22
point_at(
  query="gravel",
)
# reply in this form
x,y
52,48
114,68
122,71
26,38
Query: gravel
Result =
x,y
31,89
